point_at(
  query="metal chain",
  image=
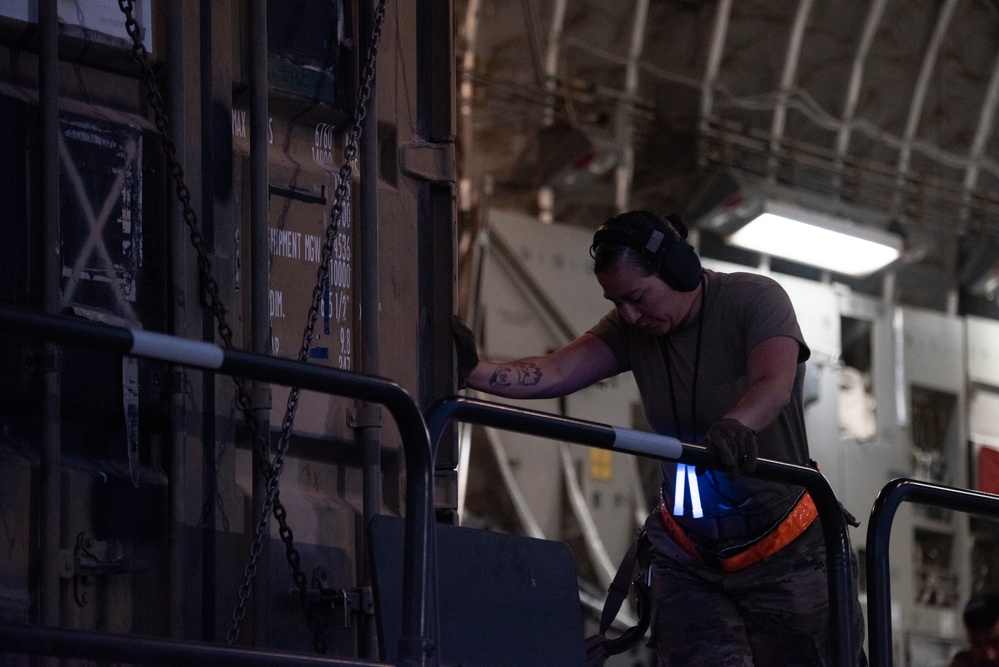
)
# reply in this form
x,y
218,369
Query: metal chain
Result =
x,y
176,171
209,284
340,201
272,471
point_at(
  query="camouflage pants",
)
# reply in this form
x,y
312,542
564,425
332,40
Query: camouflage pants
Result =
x,y
772,614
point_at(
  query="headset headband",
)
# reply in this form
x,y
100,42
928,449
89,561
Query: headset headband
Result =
x,y
674,259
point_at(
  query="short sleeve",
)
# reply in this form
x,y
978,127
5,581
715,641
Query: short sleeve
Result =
x,y
769,313
612,331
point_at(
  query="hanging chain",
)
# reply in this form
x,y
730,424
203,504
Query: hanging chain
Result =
x,y
340,201
155,98
271,471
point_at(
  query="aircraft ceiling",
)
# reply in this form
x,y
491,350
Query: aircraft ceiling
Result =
x,y
886,109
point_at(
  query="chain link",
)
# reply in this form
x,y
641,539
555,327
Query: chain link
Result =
x,y
272,471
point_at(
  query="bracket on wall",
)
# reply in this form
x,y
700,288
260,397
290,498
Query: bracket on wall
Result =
x,y
344,602
92,558
433,162
364,416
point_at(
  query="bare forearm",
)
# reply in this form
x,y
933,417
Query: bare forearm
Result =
x,y
771,371
760,405
530,377
579,364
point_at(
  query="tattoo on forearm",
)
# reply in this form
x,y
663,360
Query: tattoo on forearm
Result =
x,y
501,377
527,375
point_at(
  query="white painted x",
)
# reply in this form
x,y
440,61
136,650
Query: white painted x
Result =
x,y
95,241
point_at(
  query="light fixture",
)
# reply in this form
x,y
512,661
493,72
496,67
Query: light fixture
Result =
x,y
808,237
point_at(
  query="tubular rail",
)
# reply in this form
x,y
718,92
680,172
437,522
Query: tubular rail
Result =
x,y
878,534
415,646
101,647
615,438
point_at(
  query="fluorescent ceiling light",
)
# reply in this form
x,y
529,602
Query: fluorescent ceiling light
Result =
x,y
817,240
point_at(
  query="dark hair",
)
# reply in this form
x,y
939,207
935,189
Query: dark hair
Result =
x,y
606,254
982,611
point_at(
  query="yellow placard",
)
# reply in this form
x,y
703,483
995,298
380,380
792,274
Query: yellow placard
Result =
x,y
601,464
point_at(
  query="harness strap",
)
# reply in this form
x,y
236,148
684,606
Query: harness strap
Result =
x,y
618,589
793,525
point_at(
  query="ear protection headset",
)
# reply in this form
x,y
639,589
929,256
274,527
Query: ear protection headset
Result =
x,y
675,260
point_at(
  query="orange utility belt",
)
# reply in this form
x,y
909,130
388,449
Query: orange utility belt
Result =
x,y
793,525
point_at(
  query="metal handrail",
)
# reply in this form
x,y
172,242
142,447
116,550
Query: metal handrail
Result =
x,y
878,537
615,438
415,645
130,649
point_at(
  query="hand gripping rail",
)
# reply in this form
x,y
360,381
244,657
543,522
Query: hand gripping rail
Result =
x,y
415,647
878,534
581,432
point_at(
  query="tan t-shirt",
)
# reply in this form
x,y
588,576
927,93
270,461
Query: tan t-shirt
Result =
x,y
740,311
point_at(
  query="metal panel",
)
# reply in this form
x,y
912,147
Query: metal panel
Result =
x,y
983,351
16,561
554,259
97,21
983,416
303,158
102,219
934,348
113,266
302,59
557,259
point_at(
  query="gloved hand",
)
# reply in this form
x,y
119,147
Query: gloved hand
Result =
x,y
464,345
733,444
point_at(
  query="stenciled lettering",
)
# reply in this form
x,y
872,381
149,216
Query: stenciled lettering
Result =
x,y
286,243
313,248
322,147
275,299
239,123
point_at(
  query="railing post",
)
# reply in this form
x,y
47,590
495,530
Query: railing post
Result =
x,y
878,576
878,537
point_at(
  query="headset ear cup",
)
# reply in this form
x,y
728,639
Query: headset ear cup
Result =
x,y
680,267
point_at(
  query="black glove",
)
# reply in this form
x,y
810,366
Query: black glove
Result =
x,y
464,345
733,445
